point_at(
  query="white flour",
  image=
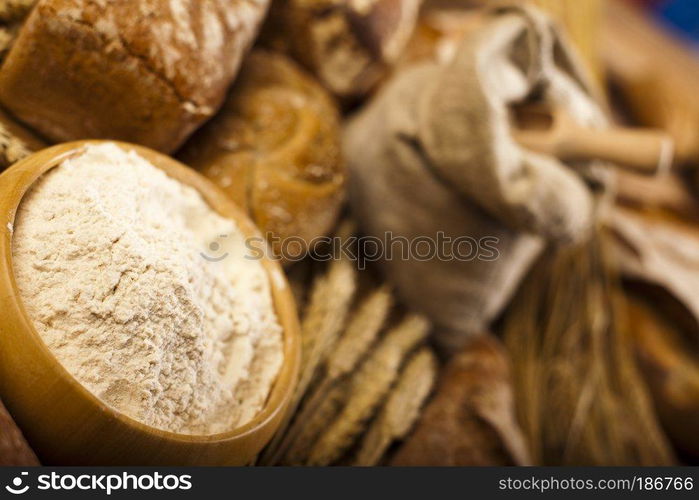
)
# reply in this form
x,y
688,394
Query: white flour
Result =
x,y
118,265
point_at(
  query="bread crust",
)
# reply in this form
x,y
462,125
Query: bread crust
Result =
x,y
275,150
144,71
349,45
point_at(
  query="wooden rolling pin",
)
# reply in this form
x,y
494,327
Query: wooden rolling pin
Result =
x,y
554,132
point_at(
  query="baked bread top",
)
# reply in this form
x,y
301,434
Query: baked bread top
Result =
x,y
146,71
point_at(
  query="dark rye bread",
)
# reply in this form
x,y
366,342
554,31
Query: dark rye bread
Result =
x,y
144,71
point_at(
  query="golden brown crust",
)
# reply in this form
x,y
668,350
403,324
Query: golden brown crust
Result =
x,y
274,149
470,420
348,45
146,71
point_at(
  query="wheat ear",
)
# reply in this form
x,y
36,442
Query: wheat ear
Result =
x,y
326,313
360,334
320,419
325,317
330,300
368,388
402,408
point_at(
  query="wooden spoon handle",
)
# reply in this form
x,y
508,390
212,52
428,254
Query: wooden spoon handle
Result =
x,y
644,151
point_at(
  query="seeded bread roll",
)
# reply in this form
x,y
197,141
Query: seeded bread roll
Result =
x,y
274,148
144,71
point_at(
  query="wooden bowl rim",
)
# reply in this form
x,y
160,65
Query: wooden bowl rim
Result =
x,y
282,390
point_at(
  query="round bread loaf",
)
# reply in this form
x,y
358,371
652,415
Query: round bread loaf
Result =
x,y
274,148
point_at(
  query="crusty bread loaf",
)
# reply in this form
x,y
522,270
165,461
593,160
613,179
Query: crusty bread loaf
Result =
x,y
470,420
145,71
275,149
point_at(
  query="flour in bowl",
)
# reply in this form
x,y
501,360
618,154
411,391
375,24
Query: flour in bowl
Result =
x,y
144,293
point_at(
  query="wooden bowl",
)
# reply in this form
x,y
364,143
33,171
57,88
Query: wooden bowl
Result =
x,y
62,420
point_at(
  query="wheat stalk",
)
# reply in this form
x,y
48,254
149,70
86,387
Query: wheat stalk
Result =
x,y
320,419
402,408
360,334
330,301
326,312
580,398
368,388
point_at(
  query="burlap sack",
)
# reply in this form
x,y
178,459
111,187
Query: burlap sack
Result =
x,y
433,152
